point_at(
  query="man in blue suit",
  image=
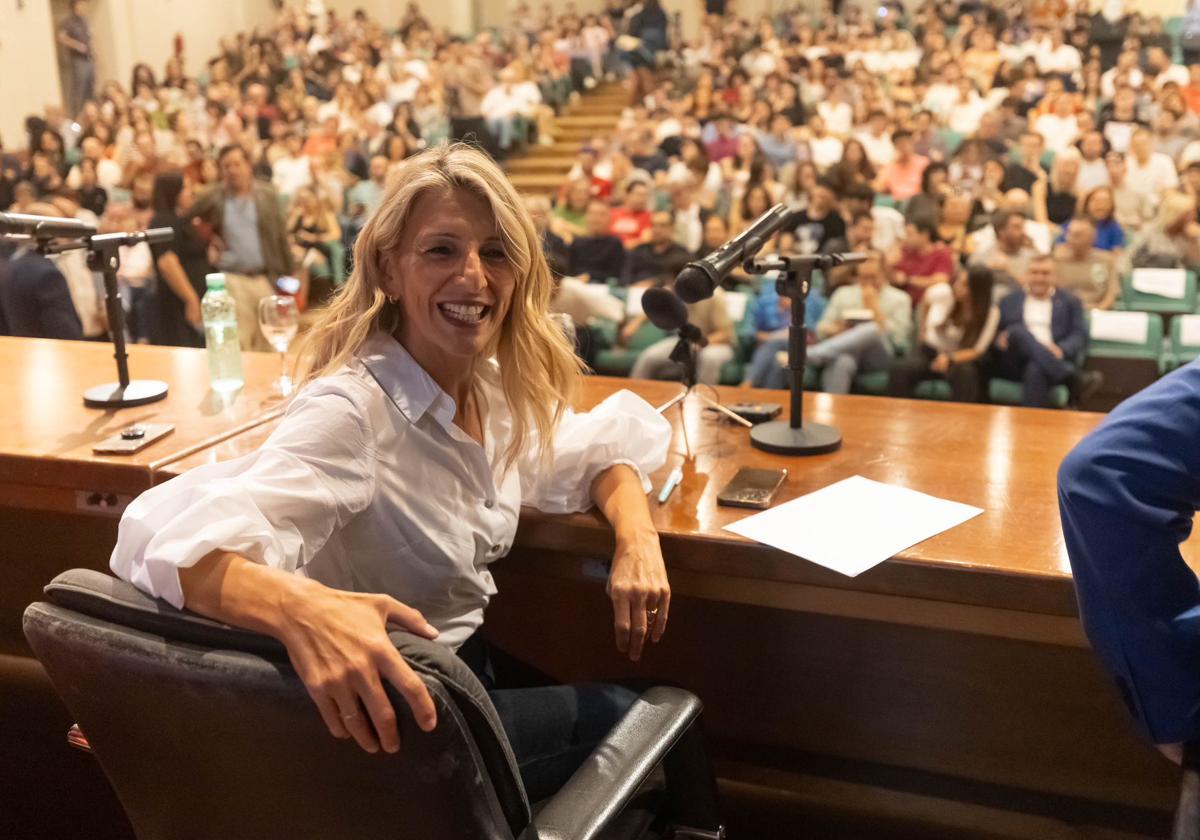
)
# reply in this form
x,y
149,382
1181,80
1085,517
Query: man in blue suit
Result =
x,y
1128,494
1041,335
35,301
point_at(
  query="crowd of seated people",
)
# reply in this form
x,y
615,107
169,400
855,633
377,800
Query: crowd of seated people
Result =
x,y
999,165
1004,170
269,162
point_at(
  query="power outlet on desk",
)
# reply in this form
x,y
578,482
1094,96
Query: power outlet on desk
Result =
x,y
101,503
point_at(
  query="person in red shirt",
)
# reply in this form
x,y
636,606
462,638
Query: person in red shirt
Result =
x,y
920,261
901,179
1191,93
631,221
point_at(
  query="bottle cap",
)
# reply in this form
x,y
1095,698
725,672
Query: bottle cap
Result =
x,y
215,281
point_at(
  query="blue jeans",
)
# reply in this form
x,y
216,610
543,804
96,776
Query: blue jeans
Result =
x,y
862,347
551,728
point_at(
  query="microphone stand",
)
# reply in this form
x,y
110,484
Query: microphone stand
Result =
x,y
104,255
794,436
684,354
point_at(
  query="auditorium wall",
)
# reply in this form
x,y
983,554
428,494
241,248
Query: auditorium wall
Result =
x,y
28,66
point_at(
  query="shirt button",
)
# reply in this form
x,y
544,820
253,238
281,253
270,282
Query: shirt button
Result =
x,y
489,504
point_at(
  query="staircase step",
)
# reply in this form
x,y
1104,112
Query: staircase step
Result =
x,y
536,163
526,182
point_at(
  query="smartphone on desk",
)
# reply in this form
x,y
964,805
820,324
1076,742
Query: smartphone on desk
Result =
x,y
750,488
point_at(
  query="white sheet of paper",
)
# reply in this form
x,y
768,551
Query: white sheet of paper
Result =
x,y
633,302
1164,282
735,305
1189,330
1125,327
827,527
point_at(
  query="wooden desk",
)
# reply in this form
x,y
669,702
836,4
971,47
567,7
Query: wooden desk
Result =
x,y
951,683
47,433
961,661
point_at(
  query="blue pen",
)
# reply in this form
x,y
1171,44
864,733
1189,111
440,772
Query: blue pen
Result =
x,y
673,479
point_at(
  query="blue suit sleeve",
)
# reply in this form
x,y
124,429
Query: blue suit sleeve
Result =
x,y
1127,495
58,315
1076,336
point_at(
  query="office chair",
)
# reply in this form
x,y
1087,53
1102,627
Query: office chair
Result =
x,y
205,731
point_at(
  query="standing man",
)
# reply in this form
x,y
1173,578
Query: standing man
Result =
x,y
75,36
251,239
1041,334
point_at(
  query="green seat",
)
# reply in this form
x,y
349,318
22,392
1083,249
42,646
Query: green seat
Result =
x,y
1173,26
618,361
873,382
933,389
1132,299
885,200
951,139
1182,348
1007,392
336,270
1148,347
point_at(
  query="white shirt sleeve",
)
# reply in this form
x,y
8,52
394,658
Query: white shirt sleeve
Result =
x,y
624,429
276,506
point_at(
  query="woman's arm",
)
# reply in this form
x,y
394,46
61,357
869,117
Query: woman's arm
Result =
x,y
337,641
637,583
176,279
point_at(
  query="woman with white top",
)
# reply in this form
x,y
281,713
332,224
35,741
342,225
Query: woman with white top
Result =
x,y
435,404
956,326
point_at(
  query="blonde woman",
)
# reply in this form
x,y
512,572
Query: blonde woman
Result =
x,y
435,405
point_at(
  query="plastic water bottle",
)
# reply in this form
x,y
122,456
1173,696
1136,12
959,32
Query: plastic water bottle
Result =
x,y
221,336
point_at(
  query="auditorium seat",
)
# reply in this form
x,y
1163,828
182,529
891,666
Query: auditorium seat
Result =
x,y
205,731
1184,343
1138,301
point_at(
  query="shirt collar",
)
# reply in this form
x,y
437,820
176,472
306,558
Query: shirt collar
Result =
x,y
405,382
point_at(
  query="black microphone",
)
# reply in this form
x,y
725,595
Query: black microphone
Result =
x,y
700,278
667,312
43,227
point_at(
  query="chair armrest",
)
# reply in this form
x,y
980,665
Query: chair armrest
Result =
x,y
612,774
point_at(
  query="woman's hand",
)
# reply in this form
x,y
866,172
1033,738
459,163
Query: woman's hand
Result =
x,y
637,584
640,594
338,644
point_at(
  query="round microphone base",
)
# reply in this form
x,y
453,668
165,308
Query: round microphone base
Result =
x,y
137,392
779,438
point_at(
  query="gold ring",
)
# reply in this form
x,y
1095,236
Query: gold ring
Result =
x,y
652,613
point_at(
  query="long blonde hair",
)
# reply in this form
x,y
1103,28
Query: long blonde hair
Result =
x,y
539,371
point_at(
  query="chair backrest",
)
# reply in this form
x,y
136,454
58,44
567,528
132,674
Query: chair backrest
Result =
x,y
1185,338
1125,335
205,730
1139,300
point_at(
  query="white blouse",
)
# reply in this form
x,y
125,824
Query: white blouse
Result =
x,y
367,485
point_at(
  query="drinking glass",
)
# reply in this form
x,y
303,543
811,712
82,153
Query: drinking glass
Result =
x,y
278,318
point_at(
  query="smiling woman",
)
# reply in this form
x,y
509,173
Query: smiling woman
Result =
x,y
435,404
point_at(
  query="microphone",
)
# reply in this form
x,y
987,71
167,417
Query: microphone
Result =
x,y
700,278
667,312
43,227
153,236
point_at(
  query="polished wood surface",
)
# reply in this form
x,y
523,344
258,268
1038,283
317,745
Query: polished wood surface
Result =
x,y
47,433
1003,460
